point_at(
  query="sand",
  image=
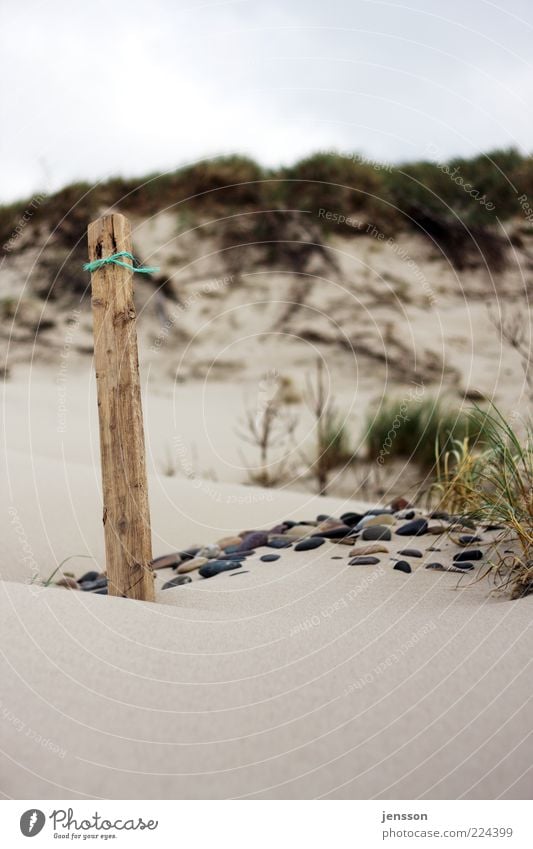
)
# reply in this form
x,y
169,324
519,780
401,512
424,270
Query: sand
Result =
x,y
304,678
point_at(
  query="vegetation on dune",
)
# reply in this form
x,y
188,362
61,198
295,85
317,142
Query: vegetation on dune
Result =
x,y
453,203
414,429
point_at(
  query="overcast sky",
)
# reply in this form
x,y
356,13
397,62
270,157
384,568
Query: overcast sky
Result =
x,y
105,87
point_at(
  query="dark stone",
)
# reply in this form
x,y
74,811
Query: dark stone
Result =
x,y
375,532
337,557
289,523
468,539
309,543
440,514
364,560
402,566
323,517
215,567
463,565
236,557
416,528
494,527
269,558
379,511
278,529
90,586
410,552
409,515
279,543
435,566
434,548
469,554
188,554
89,577
177,582
351,519
334,533
101,591
235,549
253,540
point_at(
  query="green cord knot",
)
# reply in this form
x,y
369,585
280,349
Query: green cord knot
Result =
x,y
115,259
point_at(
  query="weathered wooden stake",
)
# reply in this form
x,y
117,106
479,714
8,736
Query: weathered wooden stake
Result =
x,y
127,532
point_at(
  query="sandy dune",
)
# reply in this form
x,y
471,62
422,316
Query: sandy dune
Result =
x,y
301,678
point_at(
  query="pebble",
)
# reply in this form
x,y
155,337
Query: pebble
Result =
x,y
177,582
90,586
471,554
364,561
442,568
402,566
210,552
189,553
413,529
279,542
308,544
399,504
440,514
370,521
463,565
225,541
164,562
238,556
298,531
410,552
215,567
68,583
334,533
373,548
379,511
494,527
437,530
376,532
269,558
468,539
351,519
191,565
253,540
278,529
90,576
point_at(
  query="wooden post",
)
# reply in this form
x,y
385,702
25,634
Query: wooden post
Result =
x,y
126,516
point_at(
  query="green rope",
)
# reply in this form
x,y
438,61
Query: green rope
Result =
x,y
114,259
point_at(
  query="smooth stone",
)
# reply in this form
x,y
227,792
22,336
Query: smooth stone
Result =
x,y
323,517
232,549
225,541
471,554
164,562
310,543
433,548
440,514
189,553
462,565
269,558
215,567
416,528
379,511
364,561
376,532
468,539
253,540
236,556
373,548
278,529
334,533
68,584
279,543
437,530
436,566
210,552
410,552
351,519
337,557
298,531
399,503
494,527
89,586
177,582
191,565
370,521
442,568
402,566
90,576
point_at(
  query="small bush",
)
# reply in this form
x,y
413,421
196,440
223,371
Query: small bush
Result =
x,y
415,429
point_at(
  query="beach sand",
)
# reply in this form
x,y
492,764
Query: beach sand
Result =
x,y
301,678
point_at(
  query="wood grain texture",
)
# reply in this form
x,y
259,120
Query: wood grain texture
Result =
x,y
126,514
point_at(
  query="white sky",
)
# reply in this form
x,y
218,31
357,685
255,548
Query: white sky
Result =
x,y
90,89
